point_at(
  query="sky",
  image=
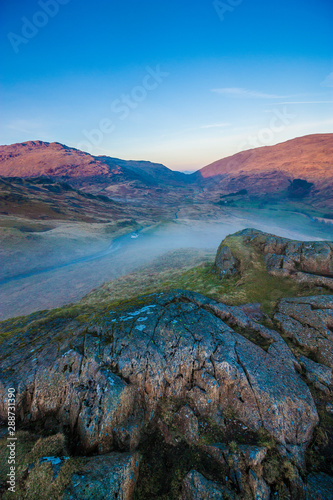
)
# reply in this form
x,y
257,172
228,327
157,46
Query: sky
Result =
x,y
183,83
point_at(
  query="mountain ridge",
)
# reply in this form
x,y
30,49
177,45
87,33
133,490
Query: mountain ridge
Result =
x,y
268,170
39,158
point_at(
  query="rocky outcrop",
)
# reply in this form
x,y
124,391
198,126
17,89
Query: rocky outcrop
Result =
x,y
97,380
105,477
308,262
46,469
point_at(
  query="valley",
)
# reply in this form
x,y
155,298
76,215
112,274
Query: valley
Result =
x,y
47,266
66,217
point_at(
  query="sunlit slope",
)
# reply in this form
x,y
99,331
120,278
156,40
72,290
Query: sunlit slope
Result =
x,y
271,169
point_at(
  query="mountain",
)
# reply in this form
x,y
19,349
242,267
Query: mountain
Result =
x,y
272,169
82,170
297,170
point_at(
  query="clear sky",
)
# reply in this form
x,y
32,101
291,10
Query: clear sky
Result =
x,y
181,82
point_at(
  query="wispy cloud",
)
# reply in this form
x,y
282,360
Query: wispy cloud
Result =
x,y
25,126
240,92
307,102
328,81
216,125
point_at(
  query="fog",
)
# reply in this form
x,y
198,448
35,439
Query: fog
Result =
x,y
51,284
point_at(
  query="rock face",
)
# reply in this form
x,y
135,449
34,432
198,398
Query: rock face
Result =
x,y
309,321
197,487
308,262
243,466
108,477
107,380
319,487
225,263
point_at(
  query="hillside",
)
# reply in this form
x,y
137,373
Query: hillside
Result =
x,y
82,170
270,169
41,198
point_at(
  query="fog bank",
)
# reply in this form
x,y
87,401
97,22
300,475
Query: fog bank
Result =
x,y
53,285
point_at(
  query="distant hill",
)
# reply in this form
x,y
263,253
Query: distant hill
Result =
x,y
92,173
272,169
299,169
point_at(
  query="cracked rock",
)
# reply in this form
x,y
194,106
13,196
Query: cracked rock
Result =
x,y
98,380
308,321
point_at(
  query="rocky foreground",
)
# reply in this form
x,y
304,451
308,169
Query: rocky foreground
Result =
x,y
174,396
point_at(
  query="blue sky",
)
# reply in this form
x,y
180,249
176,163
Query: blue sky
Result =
x,y
183,83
